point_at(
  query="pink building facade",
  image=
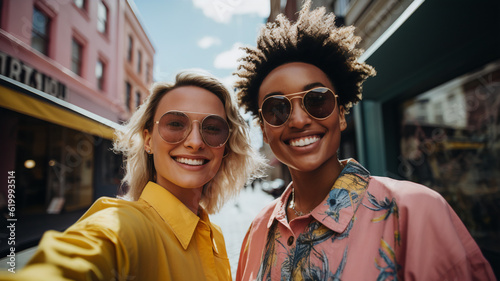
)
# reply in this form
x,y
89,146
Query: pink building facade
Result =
x,y
71,71
67,23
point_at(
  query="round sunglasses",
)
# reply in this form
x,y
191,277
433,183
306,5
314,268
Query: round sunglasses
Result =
x,y
319,103
175,126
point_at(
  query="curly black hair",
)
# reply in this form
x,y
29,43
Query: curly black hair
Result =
x,y
312,39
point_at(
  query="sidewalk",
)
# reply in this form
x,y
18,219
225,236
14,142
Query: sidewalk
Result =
x,y
235,218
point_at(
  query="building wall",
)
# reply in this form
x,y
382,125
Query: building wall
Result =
x,y
372,18
68,22
139,80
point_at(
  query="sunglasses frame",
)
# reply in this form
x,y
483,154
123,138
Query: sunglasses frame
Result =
x,y
191,127
335,96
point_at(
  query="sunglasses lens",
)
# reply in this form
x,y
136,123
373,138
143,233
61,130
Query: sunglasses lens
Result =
x,y
319,102
215,131
276,110
174,126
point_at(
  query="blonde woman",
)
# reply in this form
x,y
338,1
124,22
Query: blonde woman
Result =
x,y
186,151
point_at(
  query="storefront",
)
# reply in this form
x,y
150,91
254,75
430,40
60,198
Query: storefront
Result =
x,y
450,141
432,114
61,156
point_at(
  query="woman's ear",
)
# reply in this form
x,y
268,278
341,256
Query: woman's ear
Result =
x,y
147,141
342,121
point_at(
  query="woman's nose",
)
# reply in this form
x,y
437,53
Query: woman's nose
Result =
x,y
298,117
194,140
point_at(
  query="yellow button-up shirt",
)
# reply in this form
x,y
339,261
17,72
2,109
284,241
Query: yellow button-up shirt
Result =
x,y
154,238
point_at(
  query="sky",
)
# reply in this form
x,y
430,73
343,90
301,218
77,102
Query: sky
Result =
x,y
204,34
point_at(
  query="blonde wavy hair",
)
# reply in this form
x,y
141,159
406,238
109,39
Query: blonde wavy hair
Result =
x,y
241,164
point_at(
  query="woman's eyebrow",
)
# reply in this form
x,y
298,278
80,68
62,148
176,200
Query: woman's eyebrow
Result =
x,y
313,85
273,94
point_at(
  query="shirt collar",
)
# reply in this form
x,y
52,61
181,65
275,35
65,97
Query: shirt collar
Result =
x,y
337,209
180,218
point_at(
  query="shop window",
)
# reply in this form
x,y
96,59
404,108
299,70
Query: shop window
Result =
x,y
455,148
100,69
108,169
40,32
102,18
56,164
76,56
71,168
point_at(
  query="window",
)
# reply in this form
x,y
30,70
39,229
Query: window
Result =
x,y
137,99
147,72
130,48
341,7
1,13
100,68
102,18
80,4
128,93
40,32
283,4
456,154
139,61
76,57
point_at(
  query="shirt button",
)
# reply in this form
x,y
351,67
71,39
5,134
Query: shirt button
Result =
x,y
290,241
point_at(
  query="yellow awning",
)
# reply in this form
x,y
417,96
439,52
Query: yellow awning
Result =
x,y
34,107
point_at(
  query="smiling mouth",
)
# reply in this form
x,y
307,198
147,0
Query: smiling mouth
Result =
x,y
191,162
304,141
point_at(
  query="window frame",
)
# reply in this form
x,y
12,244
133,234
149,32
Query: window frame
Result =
x,y
128,95
84,5
130,50
74,41
101,81
106,19
139,61
35,32
137,99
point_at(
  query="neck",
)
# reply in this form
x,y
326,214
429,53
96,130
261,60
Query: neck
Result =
x,y
190,197
312,187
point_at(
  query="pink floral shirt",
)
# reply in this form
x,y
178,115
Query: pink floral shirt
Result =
x,y
367,228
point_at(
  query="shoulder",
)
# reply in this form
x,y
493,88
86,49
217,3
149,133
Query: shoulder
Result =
x,y
434,242
406,193
115,215
262,218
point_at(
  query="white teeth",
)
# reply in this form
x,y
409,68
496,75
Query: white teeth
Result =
x,y
304,141
193,162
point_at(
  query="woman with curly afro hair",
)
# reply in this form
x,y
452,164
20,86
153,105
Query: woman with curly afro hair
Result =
x,y
335,221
